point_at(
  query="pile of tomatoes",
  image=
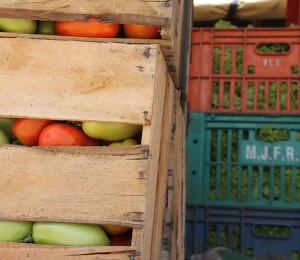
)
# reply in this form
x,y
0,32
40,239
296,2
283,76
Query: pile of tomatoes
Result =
x,y
90,28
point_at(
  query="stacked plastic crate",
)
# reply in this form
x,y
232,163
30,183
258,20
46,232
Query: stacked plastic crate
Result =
x,y
243,143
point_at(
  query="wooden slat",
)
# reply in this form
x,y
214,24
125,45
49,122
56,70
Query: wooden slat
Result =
x,y
184,48
174,226
162,182
154,153
102,82
64,185
179,184
118,11
17,251
165,44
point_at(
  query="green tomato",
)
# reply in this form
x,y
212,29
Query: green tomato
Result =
x,y
110,131
14,231
3,138
69,234
18,25
129,141
5,125
46,27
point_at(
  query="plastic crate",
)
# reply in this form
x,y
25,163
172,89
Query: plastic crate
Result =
x,y
292,12
230,72
244,160
252,231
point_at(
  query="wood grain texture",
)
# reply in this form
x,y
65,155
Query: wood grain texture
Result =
x,y
118,11
174,225
154,154
162,181
60,186
18,251
179,184
77,80
165,44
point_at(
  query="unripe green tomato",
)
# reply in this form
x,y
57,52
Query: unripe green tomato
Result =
x,y
18,25
3,137
129,141
14,231
69,234
110,131
46,27
6,124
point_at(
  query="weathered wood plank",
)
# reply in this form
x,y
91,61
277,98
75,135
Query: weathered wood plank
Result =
x,y
154,153
60,186
118,11
102,82
18,251
174,226
179,183
162,182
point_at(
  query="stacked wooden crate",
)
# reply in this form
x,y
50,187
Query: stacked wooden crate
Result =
x,y
113,80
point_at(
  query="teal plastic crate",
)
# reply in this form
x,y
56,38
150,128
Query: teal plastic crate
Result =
x,y
245,160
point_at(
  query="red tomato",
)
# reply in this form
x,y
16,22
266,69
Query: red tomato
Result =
x,y
87,29
60,134
138,31
28,130
121,240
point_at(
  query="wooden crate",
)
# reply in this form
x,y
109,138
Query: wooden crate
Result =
x,y
172,15
85,80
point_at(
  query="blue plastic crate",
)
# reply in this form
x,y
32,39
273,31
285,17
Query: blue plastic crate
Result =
x,y
252,231
244,160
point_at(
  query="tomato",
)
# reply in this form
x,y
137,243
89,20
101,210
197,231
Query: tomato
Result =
x,y
121,240
115,230
110,131
18,25
28,130
69,234
46,27
3,137
61,134
129,141
6,124
93,28
139,31
14,231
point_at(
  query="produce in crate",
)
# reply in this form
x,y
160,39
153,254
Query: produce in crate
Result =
x,y
3,137
18,25
121,239
62,134
46,27
28,130
91,28
110,131
115,230
140,31
129,141
69,234
15,231
6,124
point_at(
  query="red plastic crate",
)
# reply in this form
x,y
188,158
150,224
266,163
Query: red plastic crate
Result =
x,y
292,12
229,74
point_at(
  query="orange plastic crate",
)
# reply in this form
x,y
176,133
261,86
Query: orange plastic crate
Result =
x,y
230,73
